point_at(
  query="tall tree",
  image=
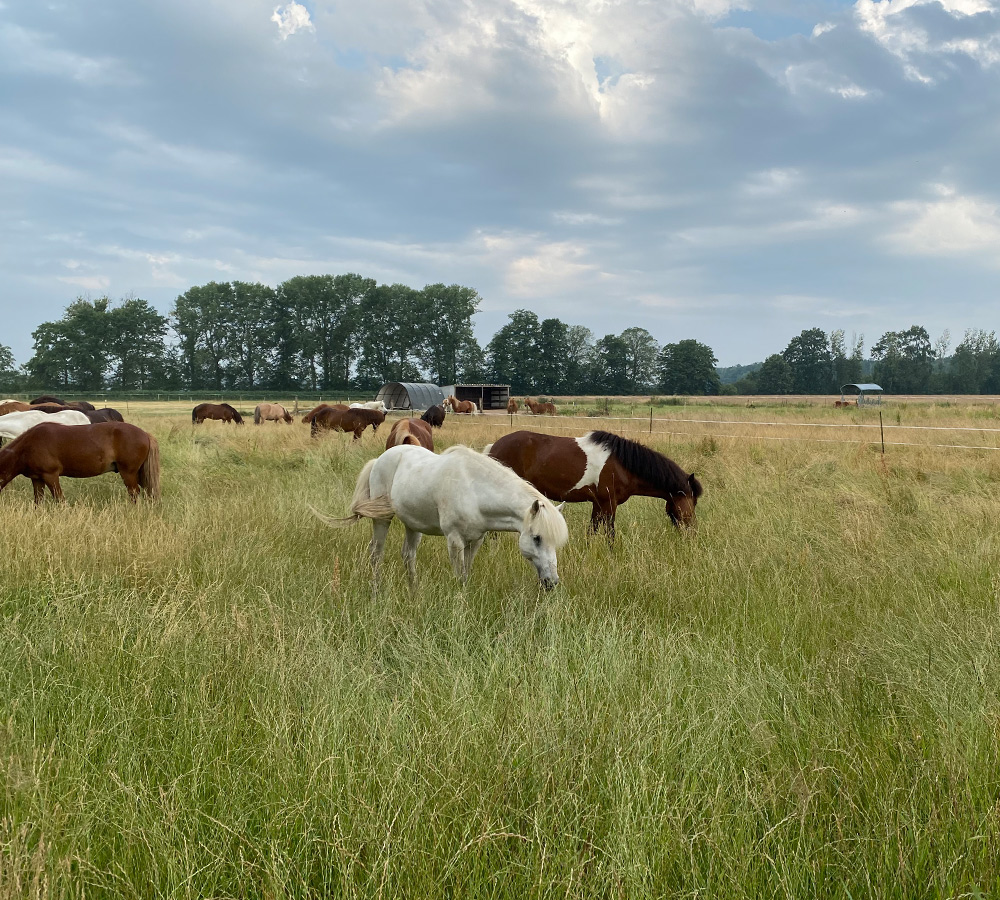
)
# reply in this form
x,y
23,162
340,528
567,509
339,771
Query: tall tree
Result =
x,y
904,361
810,361
688,367
609,367
8,370
250,335
448,336
513,352
137,350
641,359
201,320
552,355
73,352
393,322
975,366
774,376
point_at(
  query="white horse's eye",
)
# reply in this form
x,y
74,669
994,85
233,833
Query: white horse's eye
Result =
x,y
538,540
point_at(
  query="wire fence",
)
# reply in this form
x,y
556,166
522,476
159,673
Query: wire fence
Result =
x,y
653,426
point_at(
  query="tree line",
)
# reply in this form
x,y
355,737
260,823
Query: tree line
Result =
x,y
346,332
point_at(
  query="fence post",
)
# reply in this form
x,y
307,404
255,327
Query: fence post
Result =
x,y
881,431
651,420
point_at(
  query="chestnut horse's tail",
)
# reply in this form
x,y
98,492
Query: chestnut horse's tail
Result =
x,y
363,505
149,471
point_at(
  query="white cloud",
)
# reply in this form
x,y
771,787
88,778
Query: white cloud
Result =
x,y
955,226
290,18
87,282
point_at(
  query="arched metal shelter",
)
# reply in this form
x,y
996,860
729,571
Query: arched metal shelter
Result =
x,y
867,394
409,395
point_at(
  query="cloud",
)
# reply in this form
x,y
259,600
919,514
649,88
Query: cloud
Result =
x,y
954,226
290,18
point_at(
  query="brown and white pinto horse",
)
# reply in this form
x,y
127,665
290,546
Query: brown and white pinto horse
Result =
x,y
410,431
461,406
356,420
271,412
602,468
49,450
540,409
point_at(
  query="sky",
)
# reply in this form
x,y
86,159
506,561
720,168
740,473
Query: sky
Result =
x,y
733,171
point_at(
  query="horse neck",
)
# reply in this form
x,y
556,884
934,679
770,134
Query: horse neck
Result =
x,y
9,465
632,485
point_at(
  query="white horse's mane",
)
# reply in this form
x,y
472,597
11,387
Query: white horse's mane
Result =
x,y
548,523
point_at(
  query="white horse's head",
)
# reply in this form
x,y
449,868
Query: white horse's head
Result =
x,y
543,533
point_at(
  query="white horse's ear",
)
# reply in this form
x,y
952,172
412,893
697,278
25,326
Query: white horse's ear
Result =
x,y
560,506
535,507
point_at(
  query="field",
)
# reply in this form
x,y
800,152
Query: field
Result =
x,y
201,698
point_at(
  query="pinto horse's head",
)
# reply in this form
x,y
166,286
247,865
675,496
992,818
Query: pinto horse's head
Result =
x,y
681,503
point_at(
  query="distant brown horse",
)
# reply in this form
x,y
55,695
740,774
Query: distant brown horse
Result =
x,y
223,412
355,420
462,406
107,414
271,412
602,468
540,409
512,406
49,450
410,431
434,416
9,406
309,416
47,398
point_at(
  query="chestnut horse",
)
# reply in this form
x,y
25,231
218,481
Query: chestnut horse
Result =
x,y
271,412
540,409
356,420
309,416
434,416
512,406
462,406
9,406
49,450
410,431
221,411
602,468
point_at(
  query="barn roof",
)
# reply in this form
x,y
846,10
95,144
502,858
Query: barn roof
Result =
x,y
862,388
410,395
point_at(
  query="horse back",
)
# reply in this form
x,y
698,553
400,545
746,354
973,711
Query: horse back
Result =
x,y
552,464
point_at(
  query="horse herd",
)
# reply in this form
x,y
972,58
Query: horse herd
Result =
x,y
461,493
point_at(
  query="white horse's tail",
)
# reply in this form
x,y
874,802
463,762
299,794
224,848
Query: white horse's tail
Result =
x,y
363,505
475,409
486,449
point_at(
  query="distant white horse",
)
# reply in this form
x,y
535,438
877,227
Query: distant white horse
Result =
x,y
371,404
460,494
16,423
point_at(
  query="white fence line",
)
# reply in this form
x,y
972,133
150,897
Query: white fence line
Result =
x,y
548,423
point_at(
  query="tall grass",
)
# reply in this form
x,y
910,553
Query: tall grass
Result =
x,y
202,698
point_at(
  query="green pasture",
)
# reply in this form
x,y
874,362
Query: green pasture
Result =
x,y
202,698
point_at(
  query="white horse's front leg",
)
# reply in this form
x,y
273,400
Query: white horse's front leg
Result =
x,y
409,553
380,530
456,551
471,549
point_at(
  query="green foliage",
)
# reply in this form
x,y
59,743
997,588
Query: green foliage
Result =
x,y
810,362
904,361
688,367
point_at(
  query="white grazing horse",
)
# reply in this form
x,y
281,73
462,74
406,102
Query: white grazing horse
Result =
x,y
371,404
16,423
460,494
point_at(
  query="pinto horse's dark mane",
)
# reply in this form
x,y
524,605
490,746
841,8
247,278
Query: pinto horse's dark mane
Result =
x,y
659,470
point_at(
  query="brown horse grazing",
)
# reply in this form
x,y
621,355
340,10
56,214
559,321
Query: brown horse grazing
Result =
x,y
309,416
461,406
9,406
356,420
540,409
603,468
434,416
271,412
221,411
103,415
49,450
512,406
410,431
